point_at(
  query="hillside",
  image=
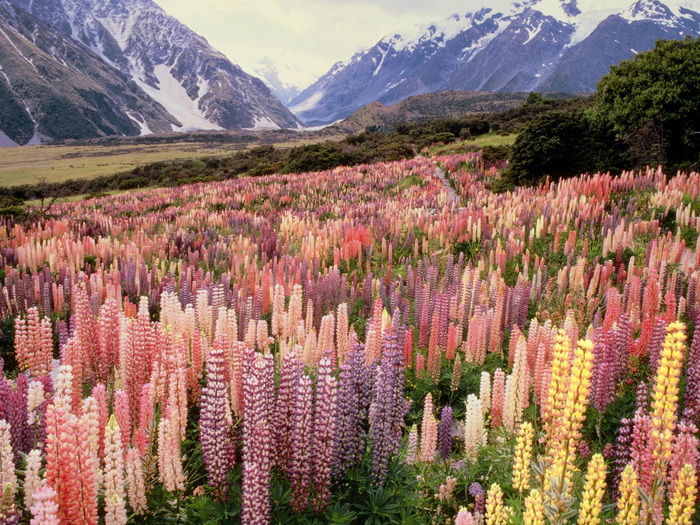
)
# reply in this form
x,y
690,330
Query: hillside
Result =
x,y
77,69
430,106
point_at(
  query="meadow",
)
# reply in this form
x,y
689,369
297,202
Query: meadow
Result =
x,y
58,163
356,346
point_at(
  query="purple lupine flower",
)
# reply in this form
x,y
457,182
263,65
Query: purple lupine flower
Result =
x,y
642,399
283,422
216,433
388,408
584,449
476,491
622,454
18,417
622,341
324,437
354,390
258,398
445,433
692,382
658,335
603,376
300,465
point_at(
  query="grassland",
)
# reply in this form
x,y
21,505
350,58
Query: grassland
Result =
x,y
59,163
489,139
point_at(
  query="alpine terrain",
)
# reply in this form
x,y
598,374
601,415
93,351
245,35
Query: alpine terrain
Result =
x,y
536,45
86,68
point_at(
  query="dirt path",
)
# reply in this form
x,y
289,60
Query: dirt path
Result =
x,y
448,188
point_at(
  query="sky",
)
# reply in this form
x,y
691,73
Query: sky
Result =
x,y
303,38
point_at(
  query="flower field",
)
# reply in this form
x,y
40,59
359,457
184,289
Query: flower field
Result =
x,y
356,346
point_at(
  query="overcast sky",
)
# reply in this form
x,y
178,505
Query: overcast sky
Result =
x,y
303,38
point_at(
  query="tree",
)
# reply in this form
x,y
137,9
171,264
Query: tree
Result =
x,y
653,102
557,144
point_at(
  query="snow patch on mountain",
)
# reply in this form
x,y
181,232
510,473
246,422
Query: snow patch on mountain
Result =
x,y
308,103
7,142
173,97
138,120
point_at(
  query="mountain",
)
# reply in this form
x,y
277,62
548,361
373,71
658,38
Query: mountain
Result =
x,y
285,79
536,45
429,106
86,68
51,88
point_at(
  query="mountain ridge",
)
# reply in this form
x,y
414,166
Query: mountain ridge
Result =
x,y
538,45
128,60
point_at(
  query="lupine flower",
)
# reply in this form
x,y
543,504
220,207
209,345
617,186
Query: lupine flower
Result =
x,y
567,432
114,475
324,431
495,512
498,397
300,467
485,391
136,485
445,433
388,408
664,406
686,450
446,490
456,373
628,502
683,497
534,509
169,457
44,509
32,478
352,407
477,492
556,397
473,428
428,438
7,459
621,453
593,492
523,457
258,397
216,433
464,517
412,445
33,343
9,514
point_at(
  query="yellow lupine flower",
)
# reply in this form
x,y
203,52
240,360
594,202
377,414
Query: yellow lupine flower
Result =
x,y
523,457
664,410
683,497
562,443
593,491
557,384
495,512
628,503
534,509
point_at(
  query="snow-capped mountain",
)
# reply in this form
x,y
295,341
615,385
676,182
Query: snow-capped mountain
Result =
x,y
52,88
535,45
286,79
194,86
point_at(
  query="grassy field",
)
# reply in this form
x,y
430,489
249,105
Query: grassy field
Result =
x,y
59,163
489,139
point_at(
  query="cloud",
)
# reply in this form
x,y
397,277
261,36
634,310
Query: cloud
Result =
x,y
302,38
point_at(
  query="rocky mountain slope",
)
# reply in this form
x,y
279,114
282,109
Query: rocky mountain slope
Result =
x,y
83,68
536,45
